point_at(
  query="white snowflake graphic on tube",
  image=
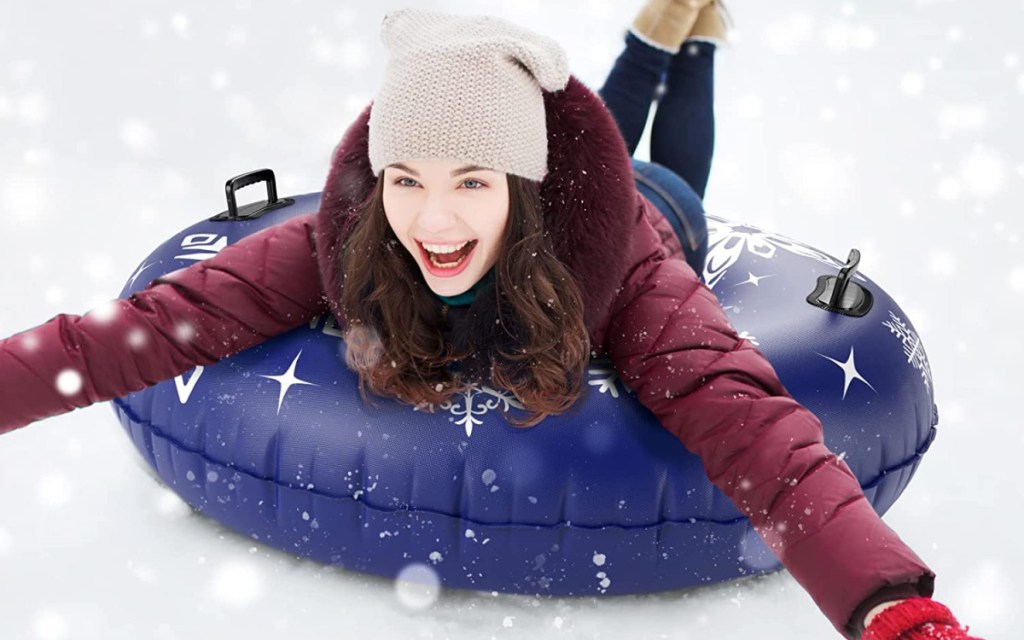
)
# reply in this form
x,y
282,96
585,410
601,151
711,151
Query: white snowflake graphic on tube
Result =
x,y
727,241
912,347
480,400
467,409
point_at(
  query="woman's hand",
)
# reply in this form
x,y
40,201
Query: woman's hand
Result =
x,y
874,612
913,619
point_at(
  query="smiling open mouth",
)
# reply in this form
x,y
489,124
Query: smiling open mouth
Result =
x,y
451,259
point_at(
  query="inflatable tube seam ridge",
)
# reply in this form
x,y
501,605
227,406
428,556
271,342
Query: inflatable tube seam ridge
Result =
x,y
917,456
562,523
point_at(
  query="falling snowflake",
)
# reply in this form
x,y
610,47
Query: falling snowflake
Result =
x,y
68,382
912,347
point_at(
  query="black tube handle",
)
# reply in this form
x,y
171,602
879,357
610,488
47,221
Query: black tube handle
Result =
x,y
839,294
246,179
255,209
843,279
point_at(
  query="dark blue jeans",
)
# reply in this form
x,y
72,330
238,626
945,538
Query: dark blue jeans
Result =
x,y
682,134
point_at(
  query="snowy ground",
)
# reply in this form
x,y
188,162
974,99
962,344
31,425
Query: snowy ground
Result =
x,y
887,126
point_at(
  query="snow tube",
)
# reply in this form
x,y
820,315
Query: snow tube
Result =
x,y
276,444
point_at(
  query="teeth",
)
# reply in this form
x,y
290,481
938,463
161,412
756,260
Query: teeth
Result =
x,y
447,265
444,248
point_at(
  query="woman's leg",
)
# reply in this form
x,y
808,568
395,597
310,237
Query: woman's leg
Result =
x,y
680,205
683,132
631,84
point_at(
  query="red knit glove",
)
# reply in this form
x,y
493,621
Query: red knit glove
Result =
x,y
916,619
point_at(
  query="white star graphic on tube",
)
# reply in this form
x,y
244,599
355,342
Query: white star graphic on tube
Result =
x,y
287,379
850,372
752,279
138,273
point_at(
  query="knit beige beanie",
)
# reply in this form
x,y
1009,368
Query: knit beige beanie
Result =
x,y
464,88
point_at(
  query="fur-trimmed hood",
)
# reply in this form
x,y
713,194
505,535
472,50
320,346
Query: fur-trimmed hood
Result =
x,y
590,202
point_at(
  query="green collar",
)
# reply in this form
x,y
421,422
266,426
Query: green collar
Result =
x,y
467,297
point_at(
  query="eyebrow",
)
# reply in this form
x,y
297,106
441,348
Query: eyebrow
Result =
x,y
456,172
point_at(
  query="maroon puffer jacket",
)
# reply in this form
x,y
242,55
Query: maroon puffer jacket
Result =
x,y
664,330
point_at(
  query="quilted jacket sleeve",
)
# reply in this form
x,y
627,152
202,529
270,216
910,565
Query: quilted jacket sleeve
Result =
x,y
261,286
674,346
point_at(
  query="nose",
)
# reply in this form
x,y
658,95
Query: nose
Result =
x,y
437,215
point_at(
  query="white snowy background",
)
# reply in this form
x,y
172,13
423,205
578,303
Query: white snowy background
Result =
x,y
891,126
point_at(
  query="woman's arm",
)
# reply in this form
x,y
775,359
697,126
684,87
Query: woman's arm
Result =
x,y
674,346
263,285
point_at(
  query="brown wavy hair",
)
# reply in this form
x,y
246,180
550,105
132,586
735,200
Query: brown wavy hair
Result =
x,y
527,334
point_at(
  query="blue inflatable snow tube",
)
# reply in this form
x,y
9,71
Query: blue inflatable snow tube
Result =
x,y
276,444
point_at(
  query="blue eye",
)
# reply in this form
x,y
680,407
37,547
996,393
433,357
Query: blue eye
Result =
x,y
399,182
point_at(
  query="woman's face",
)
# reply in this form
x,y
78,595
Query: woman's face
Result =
x,y
433,205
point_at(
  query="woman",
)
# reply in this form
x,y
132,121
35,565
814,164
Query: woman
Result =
x,y
480,219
